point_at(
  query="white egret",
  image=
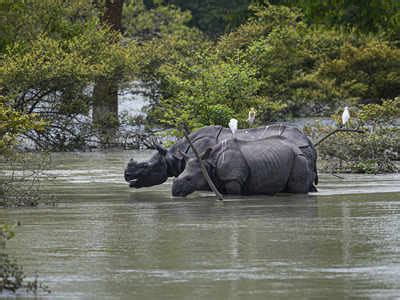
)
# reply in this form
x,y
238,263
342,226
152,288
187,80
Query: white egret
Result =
x,y
233,125
252,116
345,116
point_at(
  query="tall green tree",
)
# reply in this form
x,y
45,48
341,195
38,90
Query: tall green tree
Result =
x,y
53,52
166,45
105,92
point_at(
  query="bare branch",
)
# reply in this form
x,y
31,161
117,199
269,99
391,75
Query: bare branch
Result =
x,y
336,131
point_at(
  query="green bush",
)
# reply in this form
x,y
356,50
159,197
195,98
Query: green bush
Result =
x,y
213,92
374,151
313,70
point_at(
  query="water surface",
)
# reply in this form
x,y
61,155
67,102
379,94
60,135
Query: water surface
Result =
x,y
103,240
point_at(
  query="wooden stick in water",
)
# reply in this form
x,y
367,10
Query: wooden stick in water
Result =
x,y
202,167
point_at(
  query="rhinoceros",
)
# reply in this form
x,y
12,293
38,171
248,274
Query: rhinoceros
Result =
x,y
170,163
265,166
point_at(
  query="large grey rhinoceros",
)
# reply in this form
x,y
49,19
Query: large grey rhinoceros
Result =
x,y
265,166
170,163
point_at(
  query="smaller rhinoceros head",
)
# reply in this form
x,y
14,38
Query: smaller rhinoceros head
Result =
x,y
191,179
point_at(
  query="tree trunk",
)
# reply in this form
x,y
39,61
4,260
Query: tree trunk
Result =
x,y
105,93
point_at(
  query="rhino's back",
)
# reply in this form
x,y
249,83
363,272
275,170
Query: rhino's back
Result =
x,y
202,139
295,135
292,133
210,135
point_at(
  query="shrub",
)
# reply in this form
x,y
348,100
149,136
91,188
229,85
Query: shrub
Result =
x,y
213,92
374,151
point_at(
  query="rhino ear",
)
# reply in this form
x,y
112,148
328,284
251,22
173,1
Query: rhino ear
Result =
x,y
205,154
184,155
132,163
161,149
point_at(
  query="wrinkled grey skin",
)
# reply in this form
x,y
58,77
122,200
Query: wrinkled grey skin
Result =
x,y
265,166
170,163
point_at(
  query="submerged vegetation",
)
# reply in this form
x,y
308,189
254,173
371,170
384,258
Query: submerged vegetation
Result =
x,y
12,276
21,180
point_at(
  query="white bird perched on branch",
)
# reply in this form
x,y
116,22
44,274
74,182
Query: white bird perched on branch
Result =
x,y
345,116
233,125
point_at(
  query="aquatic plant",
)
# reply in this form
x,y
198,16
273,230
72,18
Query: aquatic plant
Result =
x,y
21,180
12,276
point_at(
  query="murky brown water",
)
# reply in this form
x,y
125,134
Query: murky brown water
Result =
x,y
105,241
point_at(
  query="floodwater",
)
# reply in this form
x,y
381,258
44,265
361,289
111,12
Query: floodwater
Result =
x,y
103,240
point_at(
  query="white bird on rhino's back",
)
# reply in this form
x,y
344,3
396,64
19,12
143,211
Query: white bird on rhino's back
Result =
x,y
233,125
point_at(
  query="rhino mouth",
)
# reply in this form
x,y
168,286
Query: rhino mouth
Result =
x,y
133,182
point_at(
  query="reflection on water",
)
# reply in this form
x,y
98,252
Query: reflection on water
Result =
x,y
105,241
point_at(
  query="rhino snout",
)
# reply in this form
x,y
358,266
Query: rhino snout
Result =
x,y
181,188
127,175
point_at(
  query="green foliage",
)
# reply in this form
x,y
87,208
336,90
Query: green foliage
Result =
x,y
166,47
24,20
219,17
313,70
375,150
214,17
11,274
6,233
368,71
259,26
211,93
14,123
379,114
285,53
365,15
372,152
144,24
276,61
47,68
